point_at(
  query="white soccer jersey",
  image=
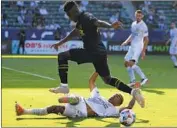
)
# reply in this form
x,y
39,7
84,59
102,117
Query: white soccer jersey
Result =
x,y
173,36
98,104
101,106
138,32
79,110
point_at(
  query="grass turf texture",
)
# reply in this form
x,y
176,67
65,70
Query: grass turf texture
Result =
x,y
32,91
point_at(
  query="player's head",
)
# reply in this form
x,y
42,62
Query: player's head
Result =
x,y
173,25
72,10
116,99
139,15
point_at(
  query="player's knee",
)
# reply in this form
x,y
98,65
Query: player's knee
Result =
x,y
64,55
56,109
106,79
131,63
173,57
51,109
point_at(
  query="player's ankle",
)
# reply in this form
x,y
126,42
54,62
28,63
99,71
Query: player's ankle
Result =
x,y
64,84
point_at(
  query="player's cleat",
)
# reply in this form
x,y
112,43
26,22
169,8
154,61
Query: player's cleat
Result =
x,y
175,66
132,83
60,89
139,97
19,110
136,85
144,81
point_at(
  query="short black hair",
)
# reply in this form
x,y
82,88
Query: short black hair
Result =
x,y
139,11
68,5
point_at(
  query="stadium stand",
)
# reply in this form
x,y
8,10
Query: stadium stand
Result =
x,y
50,14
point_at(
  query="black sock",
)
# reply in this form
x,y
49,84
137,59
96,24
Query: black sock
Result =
x,y
120,85
63,71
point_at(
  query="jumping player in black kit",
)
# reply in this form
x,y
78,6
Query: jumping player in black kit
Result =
x,y
93,52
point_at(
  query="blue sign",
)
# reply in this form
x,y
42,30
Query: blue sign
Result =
x,y
107,35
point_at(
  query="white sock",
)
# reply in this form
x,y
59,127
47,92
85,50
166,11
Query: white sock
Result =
x,y
40,111
131,74
138,71
65,85
173,58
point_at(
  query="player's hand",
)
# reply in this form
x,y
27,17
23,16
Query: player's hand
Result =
x,y
143,54
55,46
124,43
117,25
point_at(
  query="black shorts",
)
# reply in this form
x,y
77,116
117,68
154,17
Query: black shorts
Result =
x,y
99,61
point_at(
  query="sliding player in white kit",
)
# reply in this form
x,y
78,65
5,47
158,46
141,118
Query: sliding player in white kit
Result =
x,y
139,40
173,46
77,106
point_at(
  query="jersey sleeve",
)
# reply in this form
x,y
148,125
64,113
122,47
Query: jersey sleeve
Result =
x,y
145,30
95,92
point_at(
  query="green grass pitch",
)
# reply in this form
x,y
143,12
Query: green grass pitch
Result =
x,y
32,91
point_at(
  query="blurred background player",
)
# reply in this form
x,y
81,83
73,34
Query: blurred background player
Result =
x,y
93,52
77,106
22,38
173,46
138,43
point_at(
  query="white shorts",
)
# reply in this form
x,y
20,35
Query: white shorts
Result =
x,y
79,110
173,50
133,54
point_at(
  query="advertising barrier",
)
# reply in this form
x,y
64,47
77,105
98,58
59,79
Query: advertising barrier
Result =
x,y
6,47
44,46
153,48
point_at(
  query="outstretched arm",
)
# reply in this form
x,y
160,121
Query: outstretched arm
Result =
x,y
128,40
104,24
92,81
168,41
130,105
72,34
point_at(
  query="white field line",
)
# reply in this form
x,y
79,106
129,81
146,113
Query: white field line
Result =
x,y
29,73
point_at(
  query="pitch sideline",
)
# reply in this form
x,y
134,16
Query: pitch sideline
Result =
x,y
28,73
30,56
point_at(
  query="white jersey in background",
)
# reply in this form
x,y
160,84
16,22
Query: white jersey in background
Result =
x,y
138,32
173,37
98,104
173,46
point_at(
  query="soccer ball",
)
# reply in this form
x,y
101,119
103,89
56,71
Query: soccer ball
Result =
x,y
127,117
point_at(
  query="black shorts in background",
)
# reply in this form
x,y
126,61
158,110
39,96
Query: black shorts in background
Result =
x,y
99,60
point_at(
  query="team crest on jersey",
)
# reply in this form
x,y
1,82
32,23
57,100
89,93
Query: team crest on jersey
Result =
x,y
81,31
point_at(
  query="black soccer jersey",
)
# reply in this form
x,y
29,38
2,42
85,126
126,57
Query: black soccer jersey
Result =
x,y
90,33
